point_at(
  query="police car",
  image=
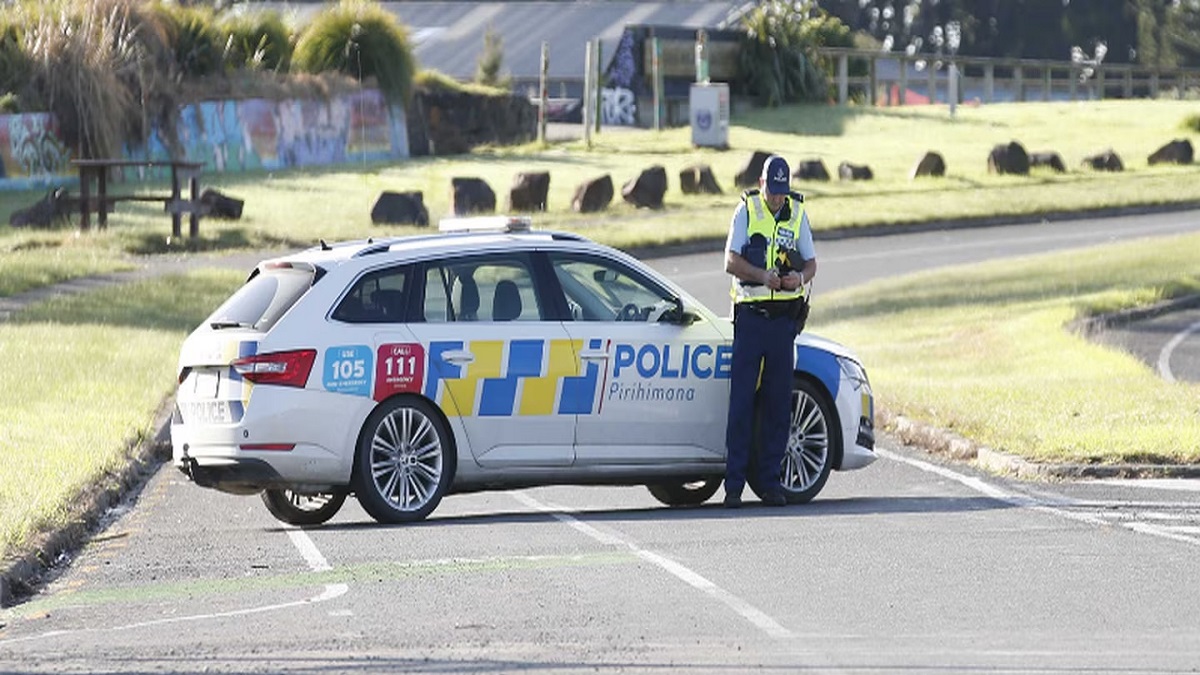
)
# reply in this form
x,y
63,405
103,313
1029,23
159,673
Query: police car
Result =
x,y
403,370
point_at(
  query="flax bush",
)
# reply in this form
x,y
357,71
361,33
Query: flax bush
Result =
x,y
363,40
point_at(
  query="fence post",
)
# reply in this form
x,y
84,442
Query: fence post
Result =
x,y
656,75
1072,81
931,70
586,103
1046,82
989,83
843,78
1019,82
596,83
903,79
1129,82
1154,83
952,88
543,94
1100,82
873,77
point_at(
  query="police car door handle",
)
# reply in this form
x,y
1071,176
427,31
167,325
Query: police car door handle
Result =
x,y
458,357
593,355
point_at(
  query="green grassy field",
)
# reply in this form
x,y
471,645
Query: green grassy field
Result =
x,y
85,375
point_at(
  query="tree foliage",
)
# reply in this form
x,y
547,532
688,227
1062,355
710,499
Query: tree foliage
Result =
x,y
491,60
776,62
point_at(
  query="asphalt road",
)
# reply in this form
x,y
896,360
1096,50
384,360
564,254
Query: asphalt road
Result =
x,y
909,566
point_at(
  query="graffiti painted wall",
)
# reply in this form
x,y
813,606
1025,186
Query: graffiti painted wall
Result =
x,y
31,150
228,136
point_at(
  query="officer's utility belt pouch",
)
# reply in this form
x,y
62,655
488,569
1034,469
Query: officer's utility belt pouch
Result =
x,y
800,313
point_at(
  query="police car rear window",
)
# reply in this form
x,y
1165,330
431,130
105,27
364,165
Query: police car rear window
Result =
x,y
264,298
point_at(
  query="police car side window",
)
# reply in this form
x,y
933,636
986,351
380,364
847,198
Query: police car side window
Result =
x,y
378,297
486,288
602,290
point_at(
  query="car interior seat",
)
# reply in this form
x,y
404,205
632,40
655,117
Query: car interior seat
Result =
x,y
506,303
468,300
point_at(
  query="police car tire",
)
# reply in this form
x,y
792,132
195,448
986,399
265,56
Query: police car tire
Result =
x,y
402,425
685,494
804,392
303,510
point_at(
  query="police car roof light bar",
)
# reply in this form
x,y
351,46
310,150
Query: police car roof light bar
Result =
x,y
486,224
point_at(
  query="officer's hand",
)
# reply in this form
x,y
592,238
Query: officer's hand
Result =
x,y
771,279
791,281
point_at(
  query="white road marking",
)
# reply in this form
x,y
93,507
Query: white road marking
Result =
x,y
747,611
1164,357
1028,502
1178,484
312,556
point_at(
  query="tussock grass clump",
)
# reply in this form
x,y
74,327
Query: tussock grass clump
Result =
x,y
363,40
257,42
196,43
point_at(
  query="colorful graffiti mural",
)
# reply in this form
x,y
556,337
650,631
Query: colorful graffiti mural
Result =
x,y
227,136
31,151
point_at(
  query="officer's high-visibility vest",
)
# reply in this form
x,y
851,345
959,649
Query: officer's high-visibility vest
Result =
x,y
780,237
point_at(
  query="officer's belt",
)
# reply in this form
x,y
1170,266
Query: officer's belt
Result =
x,y
771,309
745,292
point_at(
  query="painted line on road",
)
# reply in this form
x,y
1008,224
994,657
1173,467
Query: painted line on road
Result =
x,y
312,556
747,611
1030,503
1164,357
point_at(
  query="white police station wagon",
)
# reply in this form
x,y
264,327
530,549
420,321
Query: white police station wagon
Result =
x,y
402,370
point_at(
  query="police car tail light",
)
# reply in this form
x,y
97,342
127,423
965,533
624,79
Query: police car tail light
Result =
x,y
287,369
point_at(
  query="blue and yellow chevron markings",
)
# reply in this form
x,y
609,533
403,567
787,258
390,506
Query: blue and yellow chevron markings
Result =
x,y
517,377
241,387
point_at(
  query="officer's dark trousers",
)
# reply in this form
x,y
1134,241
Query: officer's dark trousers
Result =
x,y
766,344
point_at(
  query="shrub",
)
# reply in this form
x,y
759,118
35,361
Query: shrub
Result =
x,y
360,39
487,68
1191,122
776,61
194,39
437,81
14,62
257,42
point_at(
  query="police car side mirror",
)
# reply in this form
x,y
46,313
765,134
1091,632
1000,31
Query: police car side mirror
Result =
x,y
678,315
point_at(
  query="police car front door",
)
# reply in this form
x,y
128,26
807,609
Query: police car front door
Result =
x,y
660,381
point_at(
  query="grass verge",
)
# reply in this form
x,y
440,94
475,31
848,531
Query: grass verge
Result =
x,y
86,374
298,207
984,351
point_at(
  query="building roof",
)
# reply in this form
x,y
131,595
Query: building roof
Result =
x,y
448,36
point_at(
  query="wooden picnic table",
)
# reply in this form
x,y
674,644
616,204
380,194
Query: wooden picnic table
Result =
x,y
181,170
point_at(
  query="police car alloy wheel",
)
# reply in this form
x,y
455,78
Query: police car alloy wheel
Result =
x,y
405,461
685,494
813,432
295,508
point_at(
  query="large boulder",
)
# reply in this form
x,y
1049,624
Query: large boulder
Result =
x,y
593,195
219,205
647,190
1105,161
748,175
400,208
810,169
48,211
848,171
932,164
1049,159
1178,151
1008,159
529,191
471,195
698,179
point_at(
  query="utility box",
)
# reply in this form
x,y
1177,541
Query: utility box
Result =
x,y
708,107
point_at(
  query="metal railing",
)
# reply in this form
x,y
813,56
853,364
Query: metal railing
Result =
x,y
895,78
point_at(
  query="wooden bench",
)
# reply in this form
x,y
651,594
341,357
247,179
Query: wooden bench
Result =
x,y
98,170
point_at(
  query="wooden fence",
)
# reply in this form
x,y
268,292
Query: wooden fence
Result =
x,y
895,78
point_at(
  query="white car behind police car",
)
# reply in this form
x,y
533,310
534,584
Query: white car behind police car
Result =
x,y
402,370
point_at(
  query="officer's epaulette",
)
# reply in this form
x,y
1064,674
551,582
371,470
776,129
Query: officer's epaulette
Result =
x,y
796,196
749,193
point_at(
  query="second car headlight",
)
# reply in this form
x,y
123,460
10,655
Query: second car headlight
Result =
x,y
854,372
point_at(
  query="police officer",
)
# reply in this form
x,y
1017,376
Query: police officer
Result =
x,y
770,255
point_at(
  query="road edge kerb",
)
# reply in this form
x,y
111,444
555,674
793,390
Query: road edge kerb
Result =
x,y
22,574
945,443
